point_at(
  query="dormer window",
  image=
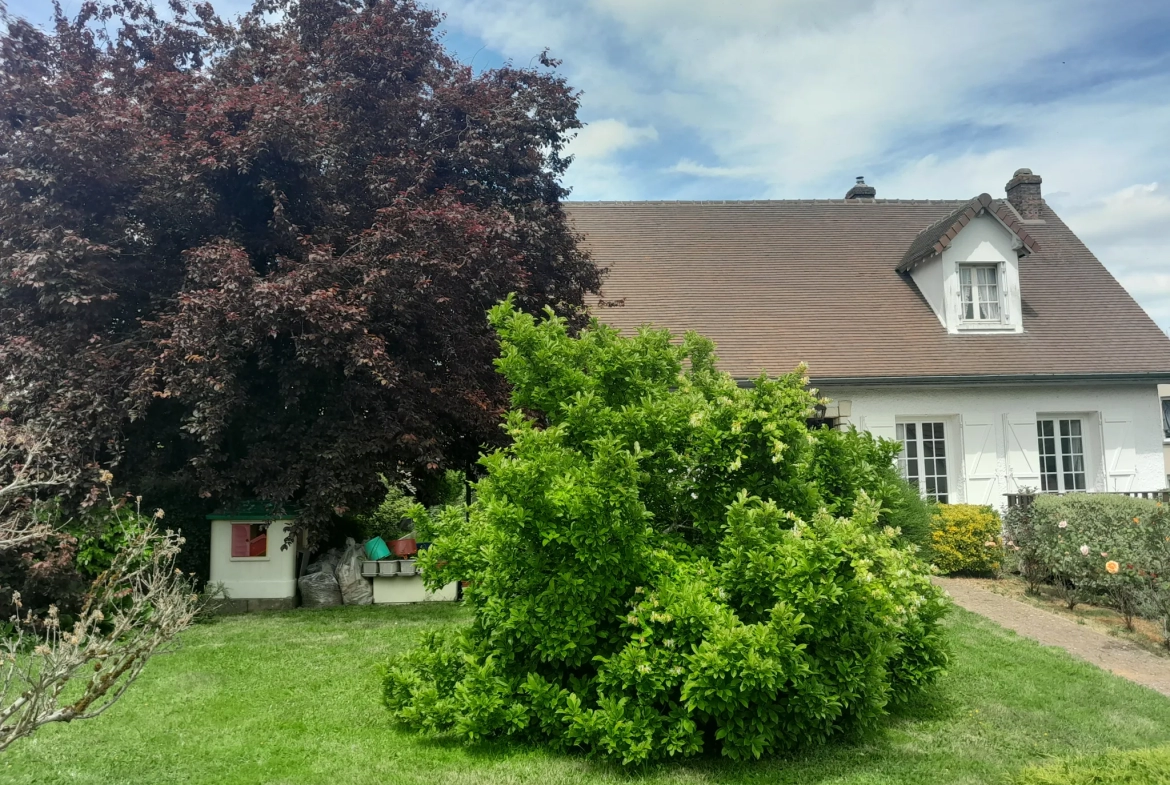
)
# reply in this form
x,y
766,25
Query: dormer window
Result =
x,y
966,265
980,292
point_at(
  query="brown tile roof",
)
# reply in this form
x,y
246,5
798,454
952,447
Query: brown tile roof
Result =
x,y
935,238
779,282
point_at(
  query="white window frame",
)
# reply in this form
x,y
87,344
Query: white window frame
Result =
x,y
1062,439
916,464
972,269
1166,421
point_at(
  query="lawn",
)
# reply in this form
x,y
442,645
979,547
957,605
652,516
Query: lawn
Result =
x,y
293,698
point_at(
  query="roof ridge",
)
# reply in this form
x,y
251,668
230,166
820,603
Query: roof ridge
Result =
x,y
604,203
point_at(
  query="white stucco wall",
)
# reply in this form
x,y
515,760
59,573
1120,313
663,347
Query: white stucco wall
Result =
x,y
271,577
983,241
991,431
928,277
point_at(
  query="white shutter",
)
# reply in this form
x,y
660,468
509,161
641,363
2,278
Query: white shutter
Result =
x,y
879,425
979,459
1023,451
1120,453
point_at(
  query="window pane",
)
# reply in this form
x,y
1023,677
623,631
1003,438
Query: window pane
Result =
x,y
979,292
1166,418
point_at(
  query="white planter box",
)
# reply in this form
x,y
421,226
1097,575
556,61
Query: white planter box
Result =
x,y
400,589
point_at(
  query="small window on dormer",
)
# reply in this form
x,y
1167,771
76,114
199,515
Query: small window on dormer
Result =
x,y
980,292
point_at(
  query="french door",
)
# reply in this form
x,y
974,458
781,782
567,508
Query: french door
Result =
x,y
1062,455
923,459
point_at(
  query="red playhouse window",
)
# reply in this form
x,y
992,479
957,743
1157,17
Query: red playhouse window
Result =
x,y
249,540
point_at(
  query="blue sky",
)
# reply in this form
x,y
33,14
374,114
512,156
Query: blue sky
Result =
x,y
709,99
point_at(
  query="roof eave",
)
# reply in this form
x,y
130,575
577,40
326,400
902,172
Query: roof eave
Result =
x,y
1130,377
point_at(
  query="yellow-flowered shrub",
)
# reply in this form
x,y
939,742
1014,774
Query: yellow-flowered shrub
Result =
x,y
966,538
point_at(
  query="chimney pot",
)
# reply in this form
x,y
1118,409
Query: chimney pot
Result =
x,y
861,190
1023,191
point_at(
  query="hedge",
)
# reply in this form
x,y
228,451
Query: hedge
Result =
x,y
1098,547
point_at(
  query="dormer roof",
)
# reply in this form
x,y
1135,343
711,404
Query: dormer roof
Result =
x,y
935,238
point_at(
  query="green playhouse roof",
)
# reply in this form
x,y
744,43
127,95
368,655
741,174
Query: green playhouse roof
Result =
x,y
254,510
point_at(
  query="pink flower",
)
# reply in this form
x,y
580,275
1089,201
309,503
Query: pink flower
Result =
x,y
1084,550
1104,555
1063,524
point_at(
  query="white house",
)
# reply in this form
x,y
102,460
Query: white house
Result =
x,y
981,333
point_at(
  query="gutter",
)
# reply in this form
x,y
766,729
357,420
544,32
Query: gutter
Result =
x,y
1146,377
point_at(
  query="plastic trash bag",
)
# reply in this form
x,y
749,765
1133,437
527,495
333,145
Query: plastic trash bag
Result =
x,y
319,590
326,562
355,589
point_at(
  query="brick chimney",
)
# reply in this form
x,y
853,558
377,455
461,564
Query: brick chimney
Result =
x,y
861,190
1023,191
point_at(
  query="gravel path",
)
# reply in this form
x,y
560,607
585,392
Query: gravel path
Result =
x,y
1121,657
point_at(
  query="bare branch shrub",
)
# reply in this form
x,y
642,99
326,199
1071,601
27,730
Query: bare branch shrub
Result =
x,y
27,470
58,670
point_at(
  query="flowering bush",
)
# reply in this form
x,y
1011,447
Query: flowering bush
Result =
x,y
1021,546
660,564
966,538
1099,546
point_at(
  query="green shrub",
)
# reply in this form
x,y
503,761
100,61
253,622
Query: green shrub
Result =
x,y
1130,767
399,511
912,515
660,563
966,538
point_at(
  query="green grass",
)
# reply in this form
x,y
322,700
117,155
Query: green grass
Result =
x,y
1131,767
293,698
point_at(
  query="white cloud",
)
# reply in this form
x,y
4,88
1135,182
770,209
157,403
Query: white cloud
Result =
x,y
687,166
927,98
1137,211
600,139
